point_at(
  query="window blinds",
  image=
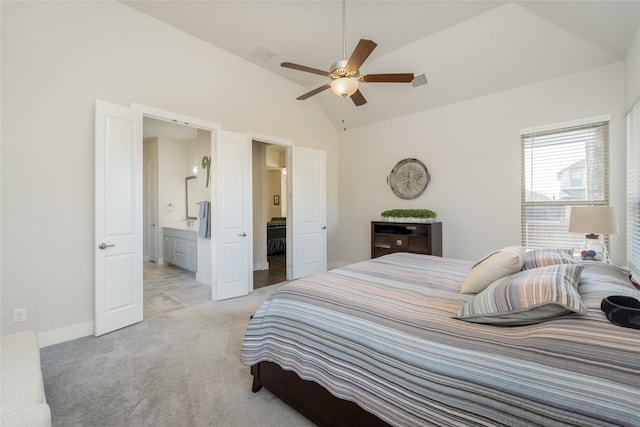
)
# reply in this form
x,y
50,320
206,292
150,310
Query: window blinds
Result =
x,y
562,168
633,188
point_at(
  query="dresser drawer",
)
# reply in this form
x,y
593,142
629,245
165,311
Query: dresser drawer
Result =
x,y
391,241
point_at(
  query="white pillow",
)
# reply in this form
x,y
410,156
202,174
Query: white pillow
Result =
x,y
492,267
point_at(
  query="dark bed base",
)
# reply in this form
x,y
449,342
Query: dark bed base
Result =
x,y
310,399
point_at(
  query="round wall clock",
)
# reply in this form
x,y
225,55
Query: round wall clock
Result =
x,y
409,178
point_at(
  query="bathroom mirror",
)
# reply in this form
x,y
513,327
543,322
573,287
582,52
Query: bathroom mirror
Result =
x,y
192,203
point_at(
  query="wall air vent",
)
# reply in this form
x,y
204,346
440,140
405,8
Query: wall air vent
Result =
x,y
264,52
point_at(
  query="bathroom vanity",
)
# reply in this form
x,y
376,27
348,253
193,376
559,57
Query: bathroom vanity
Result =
x,y
180,246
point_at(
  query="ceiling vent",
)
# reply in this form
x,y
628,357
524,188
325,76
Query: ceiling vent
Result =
x,y
264,52
419,81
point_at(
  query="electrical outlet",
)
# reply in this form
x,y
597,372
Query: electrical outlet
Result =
x,y
19,315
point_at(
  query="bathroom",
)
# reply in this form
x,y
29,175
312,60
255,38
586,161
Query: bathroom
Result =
x,y
175,185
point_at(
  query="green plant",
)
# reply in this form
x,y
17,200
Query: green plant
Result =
x,y
409,213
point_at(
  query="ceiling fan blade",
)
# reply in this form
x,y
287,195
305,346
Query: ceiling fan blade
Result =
x,y
388,78
313,92
360,54
358,99
304,68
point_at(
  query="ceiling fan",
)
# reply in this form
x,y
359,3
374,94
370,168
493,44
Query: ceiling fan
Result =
x,y
345,74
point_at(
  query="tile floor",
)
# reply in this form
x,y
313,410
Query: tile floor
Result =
x,y
168,288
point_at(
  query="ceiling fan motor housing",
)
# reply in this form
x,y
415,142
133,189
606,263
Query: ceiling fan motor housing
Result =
x,y
340,70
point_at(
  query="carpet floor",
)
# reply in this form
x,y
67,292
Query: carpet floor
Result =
x,y
178,369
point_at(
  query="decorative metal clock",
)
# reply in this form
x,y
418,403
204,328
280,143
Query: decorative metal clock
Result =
x,y
409,178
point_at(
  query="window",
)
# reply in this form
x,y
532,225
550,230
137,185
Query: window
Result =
x,y
576,178
633,188
562,166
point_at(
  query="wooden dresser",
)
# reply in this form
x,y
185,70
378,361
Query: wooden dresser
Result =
x,y
418,238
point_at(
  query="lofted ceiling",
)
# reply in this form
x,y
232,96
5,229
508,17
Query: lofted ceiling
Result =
x,y
464,48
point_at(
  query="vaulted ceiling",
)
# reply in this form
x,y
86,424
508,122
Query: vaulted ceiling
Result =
x,y
464,48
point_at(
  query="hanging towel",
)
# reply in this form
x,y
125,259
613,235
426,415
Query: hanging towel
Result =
x,y
204,215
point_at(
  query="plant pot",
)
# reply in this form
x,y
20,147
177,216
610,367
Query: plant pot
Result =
x,y
405,219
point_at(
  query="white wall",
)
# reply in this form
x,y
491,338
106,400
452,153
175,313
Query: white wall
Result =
x,y
274,187
632,73
57,58
472,151
172,158
149,154
259,175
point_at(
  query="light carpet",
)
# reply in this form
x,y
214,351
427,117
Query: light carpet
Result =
x,y
179,369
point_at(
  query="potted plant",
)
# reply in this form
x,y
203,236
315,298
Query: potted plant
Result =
x,y
408,215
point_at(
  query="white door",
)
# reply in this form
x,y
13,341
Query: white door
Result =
x,y
309,199
152,210
233,227
118,217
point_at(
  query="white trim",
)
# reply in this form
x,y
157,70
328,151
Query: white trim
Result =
x,y
569,124
157,113
260,137
65,334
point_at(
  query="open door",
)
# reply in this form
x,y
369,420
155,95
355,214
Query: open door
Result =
x,y
118,217
233,226
309,205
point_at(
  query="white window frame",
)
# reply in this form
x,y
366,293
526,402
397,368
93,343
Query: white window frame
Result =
x,y
563,238
633,188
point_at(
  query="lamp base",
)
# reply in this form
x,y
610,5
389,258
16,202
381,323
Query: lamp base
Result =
x,y
593,249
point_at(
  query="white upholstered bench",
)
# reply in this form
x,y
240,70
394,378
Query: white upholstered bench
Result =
x,y
22,399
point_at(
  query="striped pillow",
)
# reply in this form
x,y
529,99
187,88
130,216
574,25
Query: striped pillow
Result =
x,y
535,258
529,296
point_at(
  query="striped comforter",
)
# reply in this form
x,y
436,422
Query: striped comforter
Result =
x,y
381,333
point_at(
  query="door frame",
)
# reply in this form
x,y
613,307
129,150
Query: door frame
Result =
x,y
288,144
151,206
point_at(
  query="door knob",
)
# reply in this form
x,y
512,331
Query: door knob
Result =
x,y
243,234
324,227
104,246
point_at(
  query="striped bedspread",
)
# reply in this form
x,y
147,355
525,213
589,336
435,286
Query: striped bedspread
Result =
x,y
381,333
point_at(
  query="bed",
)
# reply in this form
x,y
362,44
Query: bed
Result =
x,y
276,237
382,342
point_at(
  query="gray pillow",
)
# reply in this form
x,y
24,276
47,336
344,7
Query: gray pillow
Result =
x,y
529,296
535,258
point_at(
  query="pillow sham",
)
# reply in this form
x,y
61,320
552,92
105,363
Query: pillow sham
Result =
x,y
535,258
492,267
599,280
527,297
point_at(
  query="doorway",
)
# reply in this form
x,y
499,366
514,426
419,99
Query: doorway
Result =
x,y
171,153
270,201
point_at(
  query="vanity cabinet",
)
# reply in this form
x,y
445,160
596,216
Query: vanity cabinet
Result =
x,y
180,247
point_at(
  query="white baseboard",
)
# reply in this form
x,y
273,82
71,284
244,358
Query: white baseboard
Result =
x,y
68,333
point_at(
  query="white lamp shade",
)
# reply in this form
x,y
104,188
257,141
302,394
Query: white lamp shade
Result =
x,y
593,220
344,86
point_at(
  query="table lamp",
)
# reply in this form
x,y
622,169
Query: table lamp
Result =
x,y
593,221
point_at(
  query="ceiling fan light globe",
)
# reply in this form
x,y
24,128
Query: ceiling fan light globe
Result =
x,y
345,86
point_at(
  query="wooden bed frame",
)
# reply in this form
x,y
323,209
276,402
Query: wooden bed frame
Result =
x,y
311,399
